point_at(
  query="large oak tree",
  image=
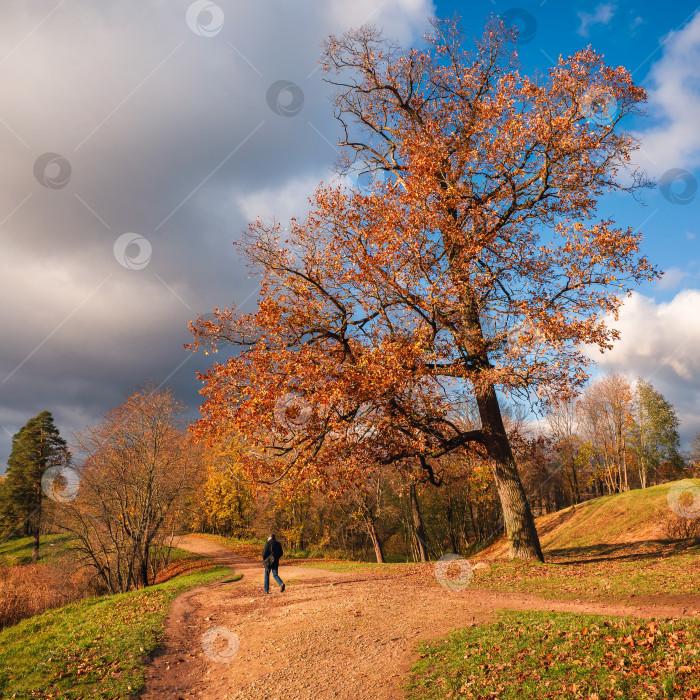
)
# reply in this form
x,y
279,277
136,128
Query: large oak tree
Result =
x,y
475,262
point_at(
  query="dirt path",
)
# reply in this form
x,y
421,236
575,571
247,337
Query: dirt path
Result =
x,y
329,635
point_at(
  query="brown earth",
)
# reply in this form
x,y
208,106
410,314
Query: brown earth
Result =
x,y
329,635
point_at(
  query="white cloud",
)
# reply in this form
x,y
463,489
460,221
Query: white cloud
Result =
x,y
279,203
636,22
402,19
659,342
674,101
602,14
672,278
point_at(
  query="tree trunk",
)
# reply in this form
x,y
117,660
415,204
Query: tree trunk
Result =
x,y
520,528
577,490
376,542
418,529
408,540
143,565
37,528
517,516
474,524
450,523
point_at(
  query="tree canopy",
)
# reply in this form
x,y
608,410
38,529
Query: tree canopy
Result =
x,y
138,470
475,264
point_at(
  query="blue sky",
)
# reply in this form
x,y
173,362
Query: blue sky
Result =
x,y
634,35
659,43
140,136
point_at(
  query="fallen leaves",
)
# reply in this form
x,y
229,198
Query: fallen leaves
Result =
x,y
569,656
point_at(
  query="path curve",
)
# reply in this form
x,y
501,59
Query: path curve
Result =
x,y
351,636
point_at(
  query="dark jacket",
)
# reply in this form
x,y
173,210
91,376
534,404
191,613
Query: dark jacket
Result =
x,y
275,548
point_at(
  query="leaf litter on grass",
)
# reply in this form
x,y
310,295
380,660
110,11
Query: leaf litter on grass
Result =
x,y
562,655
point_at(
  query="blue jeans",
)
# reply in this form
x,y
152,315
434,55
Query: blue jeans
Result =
x,y
267,578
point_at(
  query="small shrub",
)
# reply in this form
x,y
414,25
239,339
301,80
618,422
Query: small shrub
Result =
x,y
680,528
34,588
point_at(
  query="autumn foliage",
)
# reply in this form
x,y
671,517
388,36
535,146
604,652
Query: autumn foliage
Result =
x,y
475,264
139,469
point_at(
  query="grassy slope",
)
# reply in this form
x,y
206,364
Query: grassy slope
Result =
x,y
53,548
633,516
546,655
607,547
94,648
19,551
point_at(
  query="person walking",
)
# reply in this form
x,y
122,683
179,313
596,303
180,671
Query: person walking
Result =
x,y
271,560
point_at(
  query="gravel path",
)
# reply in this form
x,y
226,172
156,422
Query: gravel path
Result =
x,y
329,635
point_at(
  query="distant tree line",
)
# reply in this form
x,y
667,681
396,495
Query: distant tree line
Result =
x,y
618,435
143,480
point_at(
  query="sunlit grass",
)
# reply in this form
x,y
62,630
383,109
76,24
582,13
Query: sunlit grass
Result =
x,y
91,649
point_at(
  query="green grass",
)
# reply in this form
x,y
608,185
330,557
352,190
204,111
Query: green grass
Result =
x,y
561,655
18,551
643,576
341,566
94,648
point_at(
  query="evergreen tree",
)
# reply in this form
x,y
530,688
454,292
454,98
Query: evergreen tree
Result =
x,y
38,446
656,432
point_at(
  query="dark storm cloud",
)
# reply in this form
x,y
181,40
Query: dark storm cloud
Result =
x,y
168,121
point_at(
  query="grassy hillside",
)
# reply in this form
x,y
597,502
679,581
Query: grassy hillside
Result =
x,y
623,518
59,577
19,551
537,654
92,649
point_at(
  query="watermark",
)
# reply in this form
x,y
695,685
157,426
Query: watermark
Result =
x,y
523,21
60,484
451,562
599,106
684,499
220,644
285,98
132,251
292,411
52,171
678,186
205,18
368,182
525,333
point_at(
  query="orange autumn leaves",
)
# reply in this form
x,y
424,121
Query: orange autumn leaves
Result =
x,y
478,262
